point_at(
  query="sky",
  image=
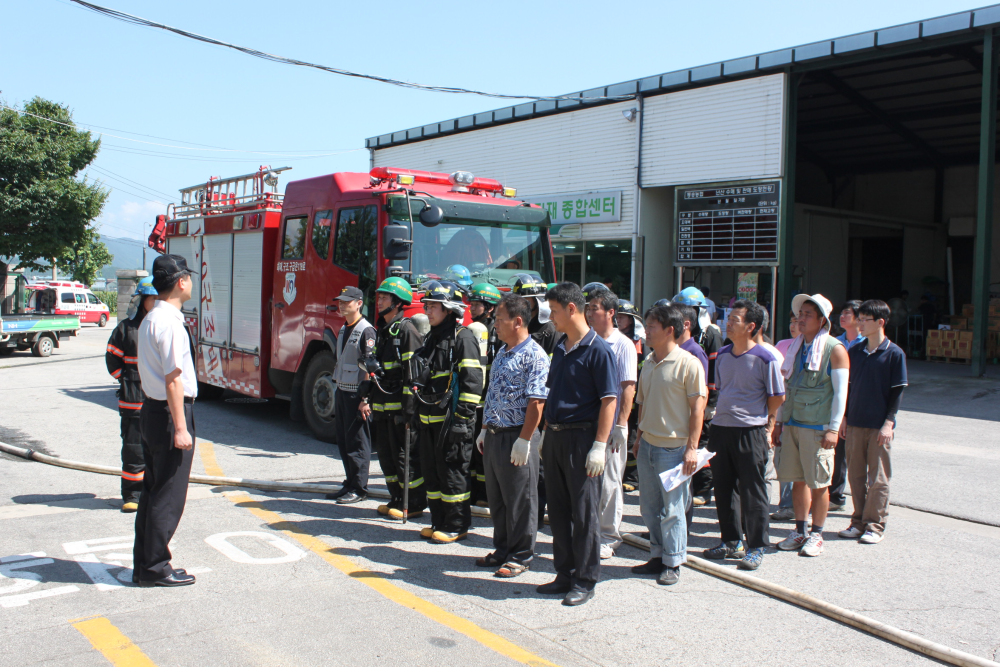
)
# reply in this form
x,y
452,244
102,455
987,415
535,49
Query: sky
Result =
x,y
167,98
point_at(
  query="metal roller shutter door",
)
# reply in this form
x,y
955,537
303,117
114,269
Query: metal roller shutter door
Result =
x,y
216,292
189,247
248,252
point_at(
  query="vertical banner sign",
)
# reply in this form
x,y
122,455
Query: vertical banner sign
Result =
x,y
746,286
735,225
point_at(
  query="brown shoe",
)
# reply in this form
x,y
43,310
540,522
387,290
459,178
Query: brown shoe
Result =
x,y
128,508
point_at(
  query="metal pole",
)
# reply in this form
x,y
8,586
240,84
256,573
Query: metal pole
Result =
x,y
984,208
783,304
635,288
774,302
680,280
406,473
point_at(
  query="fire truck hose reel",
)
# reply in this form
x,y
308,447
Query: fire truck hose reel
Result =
x,y
839,614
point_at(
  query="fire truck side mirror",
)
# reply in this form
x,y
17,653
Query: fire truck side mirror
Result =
x,y
396,242
431,215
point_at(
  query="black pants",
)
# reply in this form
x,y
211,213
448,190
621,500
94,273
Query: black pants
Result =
x,y
390,445
739,467
164,490
353,440
702,481
132,460
573,507
839,481
631,473
513,496
446,475
477,470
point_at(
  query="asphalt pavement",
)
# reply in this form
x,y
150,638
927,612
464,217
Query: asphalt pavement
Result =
x,y
292,579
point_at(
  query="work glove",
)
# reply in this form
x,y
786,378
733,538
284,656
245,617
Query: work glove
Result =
x,y
596,458
619,435
459,431
481,440
519,452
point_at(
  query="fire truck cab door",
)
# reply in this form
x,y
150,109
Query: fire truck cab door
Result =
x,y
289,292
355,257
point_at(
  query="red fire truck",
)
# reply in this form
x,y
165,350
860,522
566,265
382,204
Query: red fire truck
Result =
x,y
263,313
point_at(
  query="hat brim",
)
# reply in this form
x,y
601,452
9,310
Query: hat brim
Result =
x,y
349,298
800,299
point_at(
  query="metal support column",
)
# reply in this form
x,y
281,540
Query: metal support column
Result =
x,y
983,255
783,305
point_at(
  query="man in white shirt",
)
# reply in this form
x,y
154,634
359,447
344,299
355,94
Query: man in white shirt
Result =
x,y
166,370
601,307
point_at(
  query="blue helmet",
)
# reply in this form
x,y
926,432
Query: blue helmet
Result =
x,y
458,274
145,287
690,296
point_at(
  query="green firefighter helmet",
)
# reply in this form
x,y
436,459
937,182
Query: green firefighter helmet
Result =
x,y
398,288
486,293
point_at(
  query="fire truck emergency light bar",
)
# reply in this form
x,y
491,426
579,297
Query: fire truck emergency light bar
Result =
x,y
461,181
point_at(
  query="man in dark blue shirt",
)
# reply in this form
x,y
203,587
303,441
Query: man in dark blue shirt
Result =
x,y
878,376
579,413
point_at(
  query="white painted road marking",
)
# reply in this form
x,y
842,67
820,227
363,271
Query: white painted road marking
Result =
x,y
220,542
26,580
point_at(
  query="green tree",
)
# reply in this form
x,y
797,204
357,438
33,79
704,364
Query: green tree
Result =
x,y
85,260
45,211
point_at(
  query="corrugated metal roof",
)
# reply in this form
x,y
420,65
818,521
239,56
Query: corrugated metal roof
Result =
x,y
870,45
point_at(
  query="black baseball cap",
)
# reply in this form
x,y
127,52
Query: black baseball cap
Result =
x,y
351,294
166,270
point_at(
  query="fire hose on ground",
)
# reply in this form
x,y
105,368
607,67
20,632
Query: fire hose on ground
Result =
x,y
839,614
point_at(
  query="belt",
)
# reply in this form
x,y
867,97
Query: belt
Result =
x,y
493,429
153,401
571,426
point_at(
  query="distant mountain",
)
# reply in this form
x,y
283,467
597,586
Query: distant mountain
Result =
x,y
127,254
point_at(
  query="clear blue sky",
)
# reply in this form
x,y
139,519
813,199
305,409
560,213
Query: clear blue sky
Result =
x,y
151,82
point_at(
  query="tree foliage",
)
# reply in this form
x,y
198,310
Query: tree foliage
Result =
x,y
45,211
86,260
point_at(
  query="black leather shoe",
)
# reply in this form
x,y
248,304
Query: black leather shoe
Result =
x,y
176,578
350,498
577,597
338,494
654,566
554,588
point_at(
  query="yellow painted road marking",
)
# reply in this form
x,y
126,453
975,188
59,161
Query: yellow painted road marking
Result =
x,y
116,647
374,580
207,452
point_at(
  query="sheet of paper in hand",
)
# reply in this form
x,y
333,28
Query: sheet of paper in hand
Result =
x,y
674,477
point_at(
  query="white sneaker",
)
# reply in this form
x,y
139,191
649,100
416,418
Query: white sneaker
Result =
x,y
607,552
813,545
851,533
870,538
795,540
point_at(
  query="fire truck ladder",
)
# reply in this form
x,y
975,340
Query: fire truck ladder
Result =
x,y
221,195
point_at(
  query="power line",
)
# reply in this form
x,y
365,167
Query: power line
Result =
x,y
205,158
125,181
136,20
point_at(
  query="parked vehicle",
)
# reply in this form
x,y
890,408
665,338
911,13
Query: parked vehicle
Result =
x,y
65,297
271,266
25,328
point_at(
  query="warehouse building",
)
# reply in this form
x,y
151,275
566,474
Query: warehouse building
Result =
x,y
854,167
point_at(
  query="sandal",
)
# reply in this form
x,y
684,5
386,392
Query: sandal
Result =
x,y
510,570
488,561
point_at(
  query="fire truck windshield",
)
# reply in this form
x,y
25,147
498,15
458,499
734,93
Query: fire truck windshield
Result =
x,y
493,252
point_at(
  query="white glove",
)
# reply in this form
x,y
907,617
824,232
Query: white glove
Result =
x,y
519,452
541,439
619,435
480,439
596,459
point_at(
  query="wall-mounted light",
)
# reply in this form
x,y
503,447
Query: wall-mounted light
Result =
x,y
630,114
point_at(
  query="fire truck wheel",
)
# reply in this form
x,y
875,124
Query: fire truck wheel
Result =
x,y
209,392
103,322
42,347
317,396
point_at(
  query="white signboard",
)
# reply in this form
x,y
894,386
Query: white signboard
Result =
x,y
573,208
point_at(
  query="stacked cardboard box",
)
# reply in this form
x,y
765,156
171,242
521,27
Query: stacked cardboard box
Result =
x,y
934,340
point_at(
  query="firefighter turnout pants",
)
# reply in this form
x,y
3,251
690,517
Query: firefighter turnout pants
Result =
x,y
390,445
445,466
132,459
164,490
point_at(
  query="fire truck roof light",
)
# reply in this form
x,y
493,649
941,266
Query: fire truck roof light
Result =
x,y
462,178
509,193
406,179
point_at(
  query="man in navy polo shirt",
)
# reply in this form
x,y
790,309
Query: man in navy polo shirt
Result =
x,y
878,376
579,413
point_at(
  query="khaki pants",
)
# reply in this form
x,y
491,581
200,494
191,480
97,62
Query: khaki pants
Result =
x,y
868,471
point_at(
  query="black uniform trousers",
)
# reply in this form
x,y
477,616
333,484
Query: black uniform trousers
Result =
x,y
390,445
164,490
838,483
446,475
573,499
133,462
513,497
739,468
353,440
477,471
